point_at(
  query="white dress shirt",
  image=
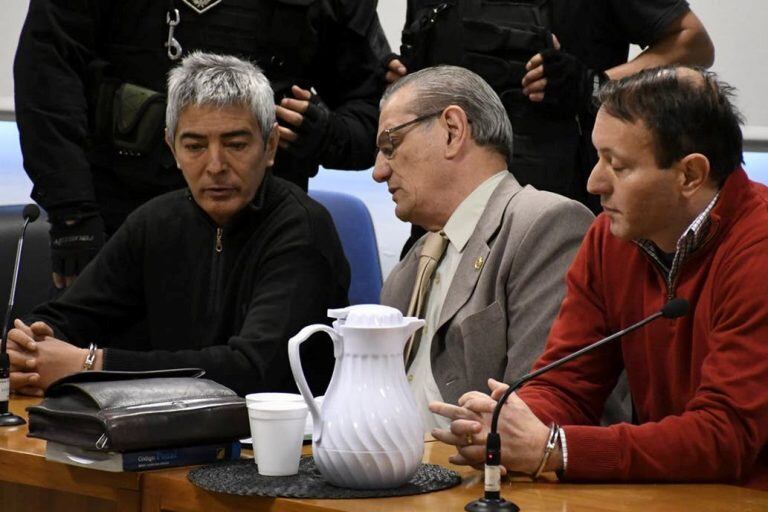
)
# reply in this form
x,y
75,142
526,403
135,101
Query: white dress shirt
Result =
x,y
458,230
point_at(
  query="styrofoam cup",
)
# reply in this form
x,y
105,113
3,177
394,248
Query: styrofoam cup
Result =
x,y
273,397
285,397
277,429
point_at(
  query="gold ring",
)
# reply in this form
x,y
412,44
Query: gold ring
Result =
x,y
470,440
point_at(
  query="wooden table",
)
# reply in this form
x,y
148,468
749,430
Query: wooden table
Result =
x,y
29,483
169,490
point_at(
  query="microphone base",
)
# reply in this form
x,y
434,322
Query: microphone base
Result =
x,y
491,505
8,419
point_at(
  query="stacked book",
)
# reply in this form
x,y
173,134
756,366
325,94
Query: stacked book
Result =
x,y
142,459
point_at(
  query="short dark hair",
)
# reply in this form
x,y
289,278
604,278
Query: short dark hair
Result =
x,y
685,114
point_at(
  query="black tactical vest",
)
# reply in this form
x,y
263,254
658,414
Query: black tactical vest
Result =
x,y
280,36
494,38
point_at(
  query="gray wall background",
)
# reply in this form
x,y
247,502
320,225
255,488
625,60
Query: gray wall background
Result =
x,y
737,28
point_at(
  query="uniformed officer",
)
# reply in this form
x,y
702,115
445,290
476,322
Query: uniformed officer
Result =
x,y
546,58
90,81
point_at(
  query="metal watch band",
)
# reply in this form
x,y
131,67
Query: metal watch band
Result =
x,y
90,359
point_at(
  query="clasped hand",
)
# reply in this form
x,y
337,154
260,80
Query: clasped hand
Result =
x,y
523,435
38,359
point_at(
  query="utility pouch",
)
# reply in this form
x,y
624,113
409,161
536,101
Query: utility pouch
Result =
x,y
499,53
515,40
138,119
417,39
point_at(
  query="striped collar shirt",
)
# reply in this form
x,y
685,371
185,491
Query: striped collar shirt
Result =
x,y
688,243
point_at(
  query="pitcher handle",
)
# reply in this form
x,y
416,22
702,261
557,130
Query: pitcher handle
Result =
x,y
298,373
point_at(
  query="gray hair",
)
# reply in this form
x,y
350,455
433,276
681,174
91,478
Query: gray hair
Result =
x,y
221,81
438,87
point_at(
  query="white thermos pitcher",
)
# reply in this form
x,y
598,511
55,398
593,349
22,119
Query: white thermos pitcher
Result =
x,y
369,434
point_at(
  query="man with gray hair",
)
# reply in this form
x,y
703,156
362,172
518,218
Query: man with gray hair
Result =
x,y
221,274
488,277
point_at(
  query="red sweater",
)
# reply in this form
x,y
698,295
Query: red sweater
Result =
x,y
699,383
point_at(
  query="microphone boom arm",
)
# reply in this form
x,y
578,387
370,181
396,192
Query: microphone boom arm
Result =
x,y
12,296
525,378
7,419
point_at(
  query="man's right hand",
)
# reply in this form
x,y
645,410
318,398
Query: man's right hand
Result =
x,y
36,365
74,242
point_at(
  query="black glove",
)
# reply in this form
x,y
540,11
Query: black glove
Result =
x,y
571,85
75,240
313,132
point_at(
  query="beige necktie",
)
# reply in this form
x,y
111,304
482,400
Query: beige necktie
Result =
x,y
431,252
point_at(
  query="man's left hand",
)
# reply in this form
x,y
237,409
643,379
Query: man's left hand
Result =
x,y
308,118
523,435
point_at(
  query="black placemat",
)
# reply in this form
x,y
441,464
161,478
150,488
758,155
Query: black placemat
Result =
x,y
241,477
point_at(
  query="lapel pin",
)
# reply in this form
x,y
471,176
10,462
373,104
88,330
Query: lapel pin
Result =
x,y
479,263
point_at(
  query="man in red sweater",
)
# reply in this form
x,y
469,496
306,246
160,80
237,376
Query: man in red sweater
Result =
x,y
681,219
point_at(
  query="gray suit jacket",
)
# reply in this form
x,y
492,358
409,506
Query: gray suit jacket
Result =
x,y
495,319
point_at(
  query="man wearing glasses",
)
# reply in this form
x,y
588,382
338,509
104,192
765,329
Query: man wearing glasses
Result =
x,y
499,251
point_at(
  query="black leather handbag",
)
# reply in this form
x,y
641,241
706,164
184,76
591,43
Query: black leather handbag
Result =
x,y
125,411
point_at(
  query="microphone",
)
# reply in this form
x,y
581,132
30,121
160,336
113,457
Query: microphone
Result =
x,y
31,212
7,419
492,500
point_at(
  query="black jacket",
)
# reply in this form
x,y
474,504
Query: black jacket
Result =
x,y
68,51
230,312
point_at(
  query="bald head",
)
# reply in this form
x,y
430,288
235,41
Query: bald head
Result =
x,y
687,110
695,77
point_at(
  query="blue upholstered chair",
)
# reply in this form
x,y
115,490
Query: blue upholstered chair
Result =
x,y
355,227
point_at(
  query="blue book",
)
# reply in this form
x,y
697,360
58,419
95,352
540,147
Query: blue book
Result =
x,y
143,459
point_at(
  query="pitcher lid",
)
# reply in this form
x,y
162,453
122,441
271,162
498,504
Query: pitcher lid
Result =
x,y
368,315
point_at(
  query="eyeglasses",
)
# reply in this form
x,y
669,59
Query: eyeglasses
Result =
x,y
386,145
